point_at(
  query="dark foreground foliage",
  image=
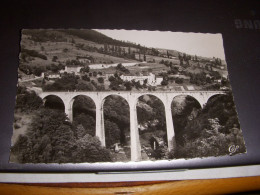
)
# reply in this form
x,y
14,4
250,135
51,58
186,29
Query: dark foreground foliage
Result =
x,y
51,139
27,52
27,100
214,132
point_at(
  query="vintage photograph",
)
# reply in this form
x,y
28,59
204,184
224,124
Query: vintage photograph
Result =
x,y
90,95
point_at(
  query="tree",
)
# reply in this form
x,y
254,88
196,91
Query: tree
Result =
x,y
100,79
179,80
111,78
105,48
62,142
212,132
181,59
119,50
27,52
85,69
38,70
80,131
27,100
120,67
136,84
85,77
49,139
74,62
162,61
89,149
65,50
128,85
54,68
54,58
87,122
84,86
164,82
196,58
112,133
65,83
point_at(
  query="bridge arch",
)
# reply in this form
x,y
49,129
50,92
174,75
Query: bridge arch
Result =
x,y
116,112
131,97
184,108
201,99
157,95
152,130
188,97
53,101
71,103
214,96
83,112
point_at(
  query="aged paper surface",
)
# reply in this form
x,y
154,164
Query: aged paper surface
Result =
x,y
119,96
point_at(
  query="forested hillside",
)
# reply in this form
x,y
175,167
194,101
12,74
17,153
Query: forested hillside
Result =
x,y
214,131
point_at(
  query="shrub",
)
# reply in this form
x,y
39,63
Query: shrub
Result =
x,y
101,80
50,139
33,53
27,101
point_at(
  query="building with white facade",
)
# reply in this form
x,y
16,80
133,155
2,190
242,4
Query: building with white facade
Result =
x,y
49,75
83,59
151,79
73,69
103,66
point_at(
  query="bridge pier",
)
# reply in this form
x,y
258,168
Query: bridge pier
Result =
x,y
169,126
100,126
68,109
134,133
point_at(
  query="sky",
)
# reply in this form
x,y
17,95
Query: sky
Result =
x,y
200,44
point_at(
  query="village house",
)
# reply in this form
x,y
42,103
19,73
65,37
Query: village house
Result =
x,y
83,59
50,75
217,81
190,87
73,69
151,79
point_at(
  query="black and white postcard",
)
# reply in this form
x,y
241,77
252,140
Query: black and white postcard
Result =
x,y
122,95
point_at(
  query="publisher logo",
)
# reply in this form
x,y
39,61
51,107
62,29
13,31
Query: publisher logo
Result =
x,y
232,149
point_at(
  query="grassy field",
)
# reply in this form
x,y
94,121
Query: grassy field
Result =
x,y
51,49
145,67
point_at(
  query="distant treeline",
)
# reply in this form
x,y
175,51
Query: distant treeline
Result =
x,y
44,35
40,35
27,52
97,37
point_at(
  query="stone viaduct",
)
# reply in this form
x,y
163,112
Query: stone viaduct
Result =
x,y
132,98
